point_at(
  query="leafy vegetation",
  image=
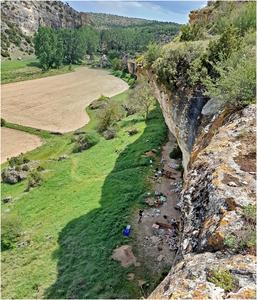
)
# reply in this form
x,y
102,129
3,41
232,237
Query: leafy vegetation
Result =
x,y
10,231
222,66
64,46
85,141
74,219
222,278
35,179
129,78
141,99
244,239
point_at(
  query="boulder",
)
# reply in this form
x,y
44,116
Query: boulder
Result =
x,y
7,199
109,134
12,176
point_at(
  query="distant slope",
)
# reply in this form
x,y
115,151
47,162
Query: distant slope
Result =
x,y
21,19
103,20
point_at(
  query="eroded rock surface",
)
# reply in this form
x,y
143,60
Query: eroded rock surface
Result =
x,y
218,230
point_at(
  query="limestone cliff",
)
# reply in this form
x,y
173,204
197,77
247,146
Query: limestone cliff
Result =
x,y
218,214
21,19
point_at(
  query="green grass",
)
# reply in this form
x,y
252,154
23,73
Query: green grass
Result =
x,y
19,70
74,220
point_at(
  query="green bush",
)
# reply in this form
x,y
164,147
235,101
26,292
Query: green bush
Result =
x,y
152,53
18,160
249,213
237,79
3,122
10,231
191,32
222,278
173,65
85,141
117,64
35,179
109,116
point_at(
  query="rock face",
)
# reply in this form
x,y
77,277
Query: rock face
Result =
x,y
21,19
218,235
182,113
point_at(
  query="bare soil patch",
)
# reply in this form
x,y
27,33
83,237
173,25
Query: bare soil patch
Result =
x,y
57,103
15,142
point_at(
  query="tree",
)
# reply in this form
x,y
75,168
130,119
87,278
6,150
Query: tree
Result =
x,y
47,48
141,99
74,48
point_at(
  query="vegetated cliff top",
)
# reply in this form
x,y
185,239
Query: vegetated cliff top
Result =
x,y
104,20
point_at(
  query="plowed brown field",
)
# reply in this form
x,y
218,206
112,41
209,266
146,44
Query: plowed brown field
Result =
x,y
57,103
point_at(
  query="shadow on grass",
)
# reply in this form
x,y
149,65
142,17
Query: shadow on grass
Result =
x,y
85,269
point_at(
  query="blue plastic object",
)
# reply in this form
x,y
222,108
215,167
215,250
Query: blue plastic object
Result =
x,y
127,230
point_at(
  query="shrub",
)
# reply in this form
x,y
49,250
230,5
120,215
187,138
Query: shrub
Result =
x,y
237,79
85,141
173,66
3,122
10,231
152,53
242,240
249,213
101,102
109,116
109,134
176,153
34,179
191,32
117,64
19,160
222,278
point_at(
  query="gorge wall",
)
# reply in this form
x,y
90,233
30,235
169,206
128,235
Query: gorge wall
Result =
x,y
218,198
21,19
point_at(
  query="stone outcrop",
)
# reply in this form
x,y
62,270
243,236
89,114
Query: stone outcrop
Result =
x,y
182,113
219,154
21,19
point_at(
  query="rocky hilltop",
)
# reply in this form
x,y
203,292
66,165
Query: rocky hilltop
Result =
x,y
21,19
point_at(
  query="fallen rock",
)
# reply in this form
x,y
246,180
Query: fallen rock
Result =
x,y
63,157
12,176
131,276
125,256
160,258
109,134
7,199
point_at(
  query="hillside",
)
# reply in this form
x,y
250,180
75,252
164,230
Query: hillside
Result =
x,y
21,19
103,20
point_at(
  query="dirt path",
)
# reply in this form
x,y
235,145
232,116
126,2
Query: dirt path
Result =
x,y
156,246
15,142
57,103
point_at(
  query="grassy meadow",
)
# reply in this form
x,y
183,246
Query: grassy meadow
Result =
x,y
74,220
25,69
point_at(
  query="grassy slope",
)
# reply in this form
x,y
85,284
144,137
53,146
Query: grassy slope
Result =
x,y
74,220
19,70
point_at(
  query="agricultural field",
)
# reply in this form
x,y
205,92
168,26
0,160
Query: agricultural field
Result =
x,y
15,142
72,222
57,103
